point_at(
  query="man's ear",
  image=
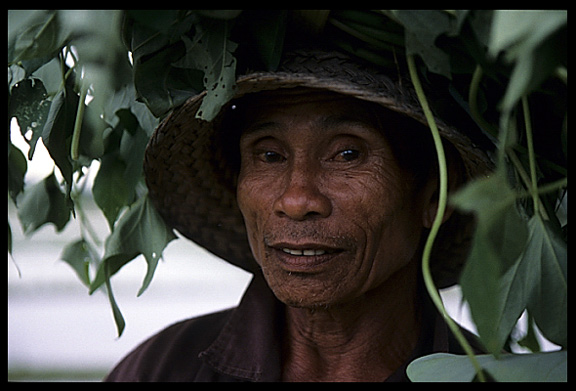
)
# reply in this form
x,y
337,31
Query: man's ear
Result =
x,y
456,177
430,211
431,204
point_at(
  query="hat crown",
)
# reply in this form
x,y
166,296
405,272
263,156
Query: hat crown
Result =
x,y
191,183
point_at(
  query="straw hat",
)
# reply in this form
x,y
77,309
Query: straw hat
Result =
x,y
192,181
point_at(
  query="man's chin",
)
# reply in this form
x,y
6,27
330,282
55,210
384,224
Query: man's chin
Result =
x,y
301,302
305,296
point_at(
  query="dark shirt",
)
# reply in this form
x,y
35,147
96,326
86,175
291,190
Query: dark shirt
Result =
x,y
243,344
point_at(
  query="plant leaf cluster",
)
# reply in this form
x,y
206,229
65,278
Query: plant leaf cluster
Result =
x,y
538,367
54,58
518,256
504,70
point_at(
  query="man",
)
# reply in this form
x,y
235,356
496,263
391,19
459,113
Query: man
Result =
x,y
323,175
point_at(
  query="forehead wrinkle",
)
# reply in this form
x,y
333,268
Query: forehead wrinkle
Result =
x,y
345,120
322,124
255,129
355,115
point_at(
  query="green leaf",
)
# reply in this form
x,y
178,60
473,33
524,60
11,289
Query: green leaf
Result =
x,y
538,367
498,242
43,203
132,147
30,105
9,238
143,40
156,82
58,129
499,224
145,117
140,230
79,255
531,69
121,168
15,75
92,136
118,318
18,20
51,76
268,29
530,340
95,36
369,26
125,100
515,29
110,191
514,291
535,52
547,254
221,14
159,20
423,27
41,37
17,167
211,52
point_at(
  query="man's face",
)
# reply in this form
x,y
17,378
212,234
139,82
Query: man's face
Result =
x,y
329,213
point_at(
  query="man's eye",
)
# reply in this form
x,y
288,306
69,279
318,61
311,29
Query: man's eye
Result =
x,y
347,155
271,157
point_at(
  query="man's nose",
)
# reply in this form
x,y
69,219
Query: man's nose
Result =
x,y
302,198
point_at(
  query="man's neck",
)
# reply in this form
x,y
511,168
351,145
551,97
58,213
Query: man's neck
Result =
x,y
363,340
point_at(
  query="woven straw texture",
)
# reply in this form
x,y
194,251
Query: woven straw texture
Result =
x,y
193,187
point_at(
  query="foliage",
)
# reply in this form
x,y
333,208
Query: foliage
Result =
x,y
505,69
549,366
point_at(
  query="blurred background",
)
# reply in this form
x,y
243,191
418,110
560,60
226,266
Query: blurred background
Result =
x,y
57,332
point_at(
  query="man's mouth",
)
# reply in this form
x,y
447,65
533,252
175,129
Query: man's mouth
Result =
x,y
304,258
306,253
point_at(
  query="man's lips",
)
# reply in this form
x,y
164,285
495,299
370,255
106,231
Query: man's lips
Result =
x,y
307,257
306,252
305,249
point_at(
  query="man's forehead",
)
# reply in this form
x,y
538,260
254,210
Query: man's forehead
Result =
x,y
294,96
327,108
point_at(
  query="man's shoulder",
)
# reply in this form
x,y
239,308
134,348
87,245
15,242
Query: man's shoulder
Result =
x,y
172,353
198,329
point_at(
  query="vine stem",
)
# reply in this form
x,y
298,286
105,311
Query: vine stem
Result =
x,y
527,181
442,201
531,157
74,151
473,102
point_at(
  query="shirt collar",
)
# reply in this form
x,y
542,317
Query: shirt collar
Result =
x,y
249,345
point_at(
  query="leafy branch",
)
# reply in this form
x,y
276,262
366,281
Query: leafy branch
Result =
x,y
442,203
494,275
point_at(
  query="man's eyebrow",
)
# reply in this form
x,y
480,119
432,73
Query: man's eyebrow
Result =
x,y
260,127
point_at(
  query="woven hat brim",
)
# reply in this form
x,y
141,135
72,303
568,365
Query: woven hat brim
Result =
x,y
194,190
